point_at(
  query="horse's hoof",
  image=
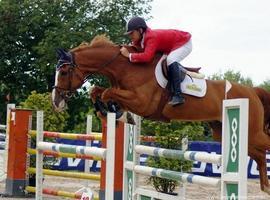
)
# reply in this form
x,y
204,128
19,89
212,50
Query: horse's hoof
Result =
x,y
130,119
127,118
267,189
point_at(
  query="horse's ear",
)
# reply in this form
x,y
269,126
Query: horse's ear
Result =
x,y
64,55
60,53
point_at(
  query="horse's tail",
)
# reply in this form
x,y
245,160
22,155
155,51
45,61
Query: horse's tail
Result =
x,y
264,96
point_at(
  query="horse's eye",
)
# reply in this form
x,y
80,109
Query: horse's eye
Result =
x,y
63,73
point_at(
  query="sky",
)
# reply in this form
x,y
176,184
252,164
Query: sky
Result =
x,y
226,34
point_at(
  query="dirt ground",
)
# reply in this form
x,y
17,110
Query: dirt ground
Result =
x,y
193,192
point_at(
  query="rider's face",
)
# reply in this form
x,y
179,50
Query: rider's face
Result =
x,y
135,36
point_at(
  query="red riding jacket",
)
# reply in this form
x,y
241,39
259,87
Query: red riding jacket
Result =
x,y
159,40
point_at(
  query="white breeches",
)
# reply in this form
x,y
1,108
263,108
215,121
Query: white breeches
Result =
x,y
179,54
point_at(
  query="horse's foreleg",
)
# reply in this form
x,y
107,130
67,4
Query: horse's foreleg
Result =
x,y
95,95
113,97
124,97
96,92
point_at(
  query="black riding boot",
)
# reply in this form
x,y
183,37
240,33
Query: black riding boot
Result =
x,y
176,79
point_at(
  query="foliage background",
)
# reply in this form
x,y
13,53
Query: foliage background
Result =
x,y
31,30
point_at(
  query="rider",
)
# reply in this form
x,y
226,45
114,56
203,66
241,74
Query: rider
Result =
x,y
176,44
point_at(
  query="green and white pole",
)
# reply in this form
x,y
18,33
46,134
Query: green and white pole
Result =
x,y
131,190
233,180
130,159
234,149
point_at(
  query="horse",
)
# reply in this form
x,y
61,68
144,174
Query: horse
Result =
x,y
264,96
135,88
265,99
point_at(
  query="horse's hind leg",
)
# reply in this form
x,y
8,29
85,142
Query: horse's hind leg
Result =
x,y
260,157
262,141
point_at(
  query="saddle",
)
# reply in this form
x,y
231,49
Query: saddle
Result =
x,y
166,95
189,69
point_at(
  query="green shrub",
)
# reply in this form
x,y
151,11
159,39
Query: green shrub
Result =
x,y
169,136
53,121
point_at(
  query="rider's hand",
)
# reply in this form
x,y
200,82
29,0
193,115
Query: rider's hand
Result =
x,y
124,52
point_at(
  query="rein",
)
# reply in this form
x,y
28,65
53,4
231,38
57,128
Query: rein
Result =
x,y
104,65
109,61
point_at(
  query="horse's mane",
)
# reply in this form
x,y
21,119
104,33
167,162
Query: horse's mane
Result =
x,y
97,41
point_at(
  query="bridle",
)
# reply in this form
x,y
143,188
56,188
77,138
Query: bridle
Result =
x,y
67,93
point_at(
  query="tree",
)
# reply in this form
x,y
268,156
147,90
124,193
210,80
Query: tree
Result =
x,y
230,75
169,136
31,30
266,85
78,108
52,121
74,121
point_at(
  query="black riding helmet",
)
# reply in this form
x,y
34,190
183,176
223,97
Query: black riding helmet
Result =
x,y
135,23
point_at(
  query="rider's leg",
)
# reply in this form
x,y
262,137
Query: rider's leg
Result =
x,y
176,75
175,79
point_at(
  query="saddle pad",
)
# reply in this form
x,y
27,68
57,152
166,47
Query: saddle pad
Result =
x,y
191,86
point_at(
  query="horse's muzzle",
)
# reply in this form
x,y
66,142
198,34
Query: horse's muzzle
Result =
x,y
58,101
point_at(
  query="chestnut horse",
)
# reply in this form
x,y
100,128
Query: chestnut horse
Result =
x,y
135,88
265,99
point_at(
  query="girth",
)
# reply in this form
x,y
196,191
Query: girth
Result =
x,y
157,115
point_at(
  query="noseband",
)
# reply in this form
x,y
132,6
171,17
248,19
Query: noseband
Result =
x,y
67,93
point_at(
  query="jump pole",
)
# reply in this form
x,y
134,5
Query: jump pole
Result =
x,y
118,168
108,154
5,160
234,149
233,180
18,124
16,159
131,191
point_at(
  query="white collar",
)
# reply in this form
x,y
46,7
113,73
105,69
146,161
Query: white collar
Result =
x,y
142,41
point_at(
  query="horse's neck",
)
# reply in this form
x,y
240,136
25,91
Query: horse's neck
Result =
x,y
119,71
95,61
130,75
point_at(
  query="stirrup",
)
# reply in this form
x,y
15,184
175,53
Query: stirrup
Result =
x,y
177,100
